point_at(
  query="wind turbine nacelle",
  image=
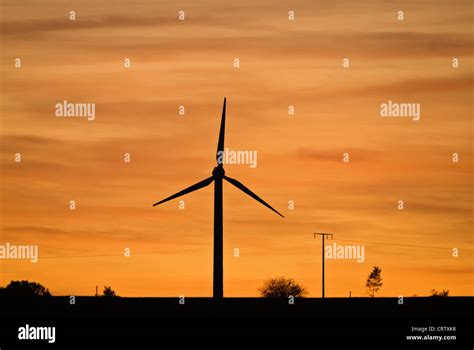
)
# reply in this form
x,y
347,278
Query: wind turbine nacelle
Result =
x,y
218,172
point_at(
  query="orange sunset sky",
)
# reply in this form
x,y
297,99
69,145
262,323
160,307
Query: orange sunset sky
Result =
x,y
282,63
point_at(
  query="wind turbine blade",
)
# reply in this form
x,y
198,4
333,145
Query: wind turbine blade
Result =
x,y
242,187
220,143
190,189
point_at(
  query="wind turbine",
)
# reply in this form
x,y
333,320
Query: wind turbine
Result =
x,y
218,174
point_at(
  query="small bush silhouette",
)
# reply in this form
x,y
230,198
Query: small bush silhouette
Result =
x,y
443,293
282,287
109,292
22,289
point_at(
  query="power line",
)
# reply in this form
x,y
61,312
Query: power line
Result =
x,y
266,244
402,245
292,242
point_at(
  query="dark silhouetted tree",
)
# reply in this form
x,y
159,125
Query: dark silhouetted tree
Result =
x,y
443,293
282,287
109,292
26,289
374,282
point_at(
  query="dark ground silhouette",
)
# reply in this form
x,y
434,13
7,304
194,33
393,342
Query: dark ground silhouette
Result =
x,y
91,317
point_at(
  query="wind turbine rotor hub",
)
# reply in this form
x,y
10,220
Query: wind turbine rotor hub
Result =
x,y
218,172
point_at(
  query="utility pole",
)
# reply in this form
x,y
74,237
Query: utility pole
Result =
x,y
323,237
